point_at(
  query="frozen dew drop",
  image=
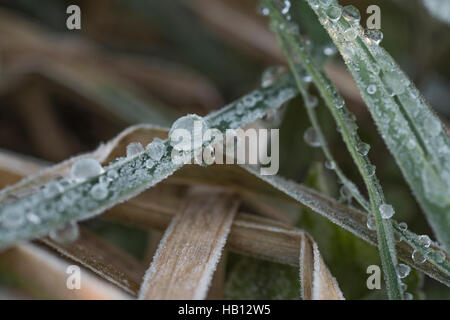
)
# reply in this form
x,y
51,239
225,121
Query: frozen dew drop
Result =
x,y
52,189
134,148
386,211
350,34
371,89
149,164
408,296
85,168
99,191
394,82
403,270
334,13
156,149
65,234
373,36
311,137
424,240
418,257
371,225
194,125
363,148
351,14
330,165
12,218
329,50
403,226
33,218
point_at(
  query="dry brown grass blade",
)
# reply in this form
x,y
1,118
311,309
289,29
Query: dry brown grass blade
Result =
x,y
38,268
317,281
188,254
104,259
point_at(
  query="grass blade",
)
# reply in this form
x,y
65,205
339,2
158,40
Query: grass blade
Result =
x,y
413,133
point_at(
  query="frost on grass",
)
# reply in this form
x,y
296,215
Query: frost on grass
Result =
x,y
93,189
413,133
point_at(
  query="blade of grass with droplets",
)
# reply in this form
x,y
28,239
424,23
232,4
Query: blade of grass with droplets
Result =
x,y
335,103
413,133
56,205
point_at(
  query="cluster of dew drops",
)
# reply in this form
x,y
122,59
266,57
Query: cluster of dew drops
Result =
x,y
395,84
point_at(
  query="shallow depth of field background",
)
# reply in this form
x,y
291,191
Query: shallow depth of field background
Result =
x,y
63,92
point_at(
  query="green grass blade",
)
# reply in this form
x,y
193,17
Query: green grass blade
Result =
x,y
74,202
412,132
294,44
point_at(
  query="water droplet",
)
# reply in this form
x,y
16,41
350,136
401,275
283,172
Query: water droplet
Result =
x,y
86,168
271,74
113,174
156,149
12,218
403,286
363,148
134,148
66,234
331,165
403,226
371,89
149,164
371,225
351,14
264,10
194,125
286,7
408,296
307,78
403,270
394,82
313,101
424,240
371,170
386,211
329,50
350,34
99,191
418,257
311,137
52,189
411,144
373,36
325,3
33,218
334,13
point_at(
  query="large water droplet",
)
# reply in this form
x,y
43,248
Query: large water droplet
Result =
x,y
371,225
149,164
373,36
363,148
386,211
85,168
351,14
350,34
194,126
65,234
334,13
403,226
331,165
311,137
99,191
134,148
424,240
418,257
403,270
